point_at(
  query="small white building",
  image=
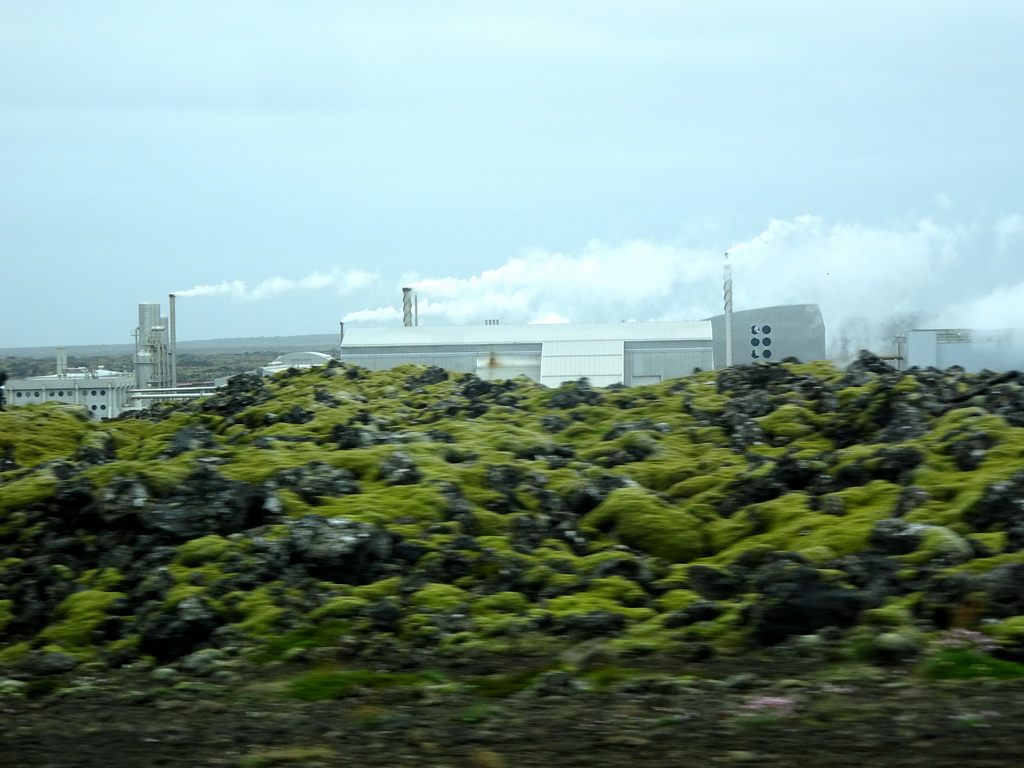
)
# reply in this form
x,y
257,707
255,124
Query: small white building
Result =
x,y
104,393
283,363
972,350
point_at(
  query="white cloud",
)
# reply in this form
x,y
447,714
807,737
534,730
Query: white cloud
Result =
x,y
1002,308
1009,228
870,281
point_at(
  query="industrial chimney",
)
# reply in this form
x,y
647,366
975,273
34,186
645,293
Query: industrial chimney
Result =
x,y
728,312
407,307
174,343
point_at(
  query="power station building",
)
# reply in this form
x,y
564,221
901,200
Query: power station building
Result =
x,y
105,393
605,353
632,354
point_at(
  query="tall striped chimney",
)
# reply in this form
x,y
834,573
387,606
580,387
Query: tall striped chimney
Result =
x,y
407,307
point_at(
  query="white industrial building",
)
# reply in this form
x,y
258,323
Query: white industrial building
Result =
x,y
104,393
972,350
605,353
631,354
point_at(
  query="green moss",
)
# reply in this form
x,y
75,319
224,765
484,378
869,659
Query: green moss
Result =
x,y
44,432
939,542
790,422
681,461
15,652
966,664
439,597
1008,631
619,589
499,686
582,603
77,616
500,602
986,564
378,589
540,576
641,520
677,599
692,486
342,606
321,686
181,591
788,524
321,635
206,549
891,616
258,610
381,506
23,493
61,572
6,613
100,578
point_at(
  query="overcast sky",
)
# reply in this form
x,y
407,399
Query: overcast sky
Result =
x,y
286,165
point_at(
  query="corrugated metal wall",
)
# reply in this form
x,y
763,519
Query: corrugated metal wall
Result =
x,y
648,362
598,361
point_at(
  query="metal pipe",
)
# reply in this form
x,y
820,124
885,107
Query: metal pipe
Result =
x,y
174,344
728,312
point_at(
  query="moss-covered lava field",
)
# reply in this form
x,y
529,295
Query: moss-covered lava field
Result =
x,y
437,514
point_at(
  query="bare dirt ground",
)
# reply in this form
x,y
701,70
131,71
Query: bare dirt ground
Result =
x,y
741,711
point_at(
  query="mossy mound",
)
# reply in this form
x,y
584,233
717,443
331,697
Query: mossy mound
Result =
x,y
430,511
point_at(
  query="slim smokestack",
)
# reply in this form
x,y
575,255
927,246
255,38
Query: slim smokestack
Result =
x,y
727,295
174,344
407,307
62,361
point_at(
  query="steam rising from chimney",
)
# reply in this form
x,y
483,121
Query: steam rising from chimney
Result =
x,y
343,281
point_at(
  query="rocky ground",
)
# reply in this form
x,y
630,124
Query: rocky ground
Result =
x,y
763,565
766,711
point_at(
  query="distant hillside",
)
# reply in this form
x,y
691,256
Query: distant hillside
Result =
x,y
321,342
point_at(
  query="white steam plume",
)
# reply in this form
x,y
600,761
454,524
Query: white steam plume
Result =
x,y
870,281
343,281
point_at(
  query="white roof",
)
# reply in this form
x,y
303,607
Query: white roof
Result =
x,y
699,330
78,375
